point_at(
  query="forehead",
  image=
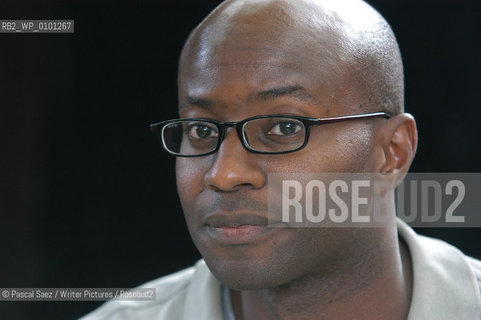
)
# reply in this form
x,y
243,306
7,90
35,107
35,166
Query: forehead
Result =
x,y
239,59
258,80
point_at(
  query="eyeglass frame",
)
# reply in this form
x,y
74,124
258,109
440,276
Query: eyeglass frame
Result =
x,y
239,125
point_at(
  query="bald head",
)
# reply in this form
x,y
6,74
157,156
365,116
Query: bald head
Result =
x,y
297,59
338,42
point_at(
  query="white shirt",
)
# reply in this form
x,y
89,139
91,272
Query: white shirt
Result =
x,y
446,286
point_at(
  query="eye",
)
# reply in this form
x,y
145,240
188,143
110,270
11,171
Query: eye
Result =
x,y
202,131
285,128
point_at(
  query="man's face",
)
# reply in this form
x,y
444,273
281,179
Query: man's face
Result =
x,y
224,195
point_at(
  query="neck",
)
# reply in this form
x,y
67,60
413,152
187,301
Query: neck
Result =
x,y
374,285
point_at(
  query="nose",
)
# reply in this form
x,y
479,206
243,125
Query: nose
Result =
x,y
234,167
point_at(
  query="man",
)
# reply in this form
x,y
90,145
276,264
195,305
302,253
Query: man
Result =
x,y
298,59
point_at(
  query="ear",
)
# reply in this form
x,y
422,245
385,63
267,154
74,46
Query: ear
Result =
x,y
398,141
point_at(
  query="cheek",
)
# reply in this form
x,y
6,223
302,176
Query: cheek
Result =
x,y
355,141
346,150
190,179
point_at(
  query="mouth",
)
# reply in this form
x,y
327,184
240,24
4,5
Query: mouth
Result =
x,y
237,228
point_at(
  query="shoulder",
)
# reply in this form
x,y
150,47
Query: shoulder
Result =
x,y
476,267
444,256
446,282
173,294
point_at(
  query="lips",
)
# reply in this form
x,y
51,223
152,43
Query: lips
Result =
x,y
235,220
236,228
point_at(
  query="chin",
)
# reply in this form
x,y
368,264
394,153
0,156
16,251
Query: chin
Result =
x,y
247,275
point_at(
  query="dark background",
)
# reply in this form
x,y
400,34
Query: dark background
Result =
x,y
87,197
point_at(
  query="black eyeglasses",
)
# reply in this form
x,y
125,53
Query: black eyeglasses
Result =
x,y
266,134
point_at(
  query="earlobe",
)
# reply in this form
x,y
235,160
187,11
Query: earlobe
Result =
x,y
398,139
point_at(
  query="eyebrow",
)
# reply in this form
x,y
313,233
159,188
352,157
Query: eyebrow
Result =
x,y
196,101
291,91
295,91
